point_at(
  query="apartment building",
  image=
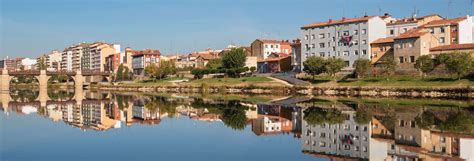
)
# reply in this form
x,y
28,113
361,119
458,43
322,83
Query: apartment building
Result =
x,y
411,45
263,48
452,31
397,27
7,63
71,57
348,38
94,57
53,60
142,58
112,62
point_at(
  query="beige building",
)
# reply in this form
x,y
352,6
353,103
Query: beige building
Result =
x,y
263,48
451,31
398,27
381,49
411,45
93,58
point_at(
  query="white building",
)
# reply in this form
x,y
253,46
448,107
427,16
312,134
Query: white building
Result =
x,y
348,38
28,64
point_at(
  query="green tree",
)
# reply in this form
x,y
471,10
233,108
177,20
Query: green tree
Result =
x,y
234,59
334,65
119,75
151,70
214,64
362,67
388,67
252,69
166,68
126,74
363,116
198,73
425,64
42,64
460,63
314,66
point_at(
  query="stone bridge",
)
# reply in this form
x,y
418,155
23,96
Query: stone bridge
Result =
x,y
80,79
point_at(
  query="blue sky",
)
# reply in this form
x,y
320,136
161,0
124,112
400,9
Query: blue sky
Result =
x,y
31,27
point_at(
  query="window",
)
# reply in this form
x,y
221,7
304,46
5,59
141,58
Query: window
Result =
x,y
321,54
356,32
392,32
321,45
322,135
431,30
356,42
329,34
306,37
307,46
345,33
266,46
313,45
364,31
441,40
334,49
347,63
271,46
312,36
412,60
356,52
405,30
410,44
346,53
364,149
357,148
276,46
402,123
442,29
364,52
338,53
399,46
364,42
322,144
321,36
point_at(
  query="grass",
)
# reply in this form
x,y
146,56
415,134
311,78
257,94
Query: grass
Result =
x,y
394,81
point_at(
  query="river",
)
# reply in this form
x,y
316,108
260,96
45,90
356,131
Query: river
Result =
x,y
141,126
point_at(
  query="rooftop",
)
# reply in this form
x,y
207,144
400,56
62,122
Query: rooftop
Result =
x,y
337,22
413,33
443,22
453,47
383,40
145,52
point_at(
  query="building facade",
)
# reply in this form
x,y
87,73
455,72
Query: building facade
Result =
x,y
263,48
397,27
142,58
348,38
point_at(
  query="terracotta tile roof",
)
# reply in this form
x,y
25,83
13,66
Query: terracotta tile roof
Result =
x,y
207,56
412,20
413,33
453,47
383,40
145,52
337,22
279,57
445,22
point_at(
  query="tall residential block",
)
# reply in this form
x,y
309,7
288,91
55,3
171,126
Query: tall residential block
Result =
x,y
348,38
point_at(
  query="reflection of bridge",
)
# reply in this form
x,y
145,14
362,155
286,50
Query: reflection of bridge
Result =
x,y
80,79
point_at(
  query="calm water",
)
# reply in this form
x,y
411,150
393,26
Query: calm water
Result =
x,y
130,126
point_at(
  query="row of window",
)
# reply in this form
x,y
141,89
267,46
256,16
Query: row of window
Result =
x,y
271,46
411,59
323,45
344,33
345,53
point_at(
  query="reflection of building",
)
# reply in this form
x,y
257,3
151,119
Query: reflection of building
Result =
x,y
273,119
348,139
145,115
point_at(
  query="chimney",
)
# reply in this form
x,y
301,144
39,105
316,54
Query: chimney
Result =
x,y
343,18
386,14
330,20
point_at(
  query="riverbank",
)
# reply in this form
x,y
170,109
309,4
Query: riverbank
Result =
x,y
403,92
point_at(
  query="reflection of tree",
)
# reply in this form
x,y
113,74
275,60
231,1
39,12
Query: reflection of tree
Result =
x,y
23,95
123,101
388,121
363,116
234,118
60,95
456,121
232,112
317,116
164,105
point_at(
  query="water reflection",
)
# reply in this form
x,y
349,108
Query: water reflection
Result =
x,y
331,128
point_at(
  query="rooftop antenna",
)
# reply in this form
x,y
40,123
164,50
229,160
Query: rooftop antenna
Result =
x,y
472,2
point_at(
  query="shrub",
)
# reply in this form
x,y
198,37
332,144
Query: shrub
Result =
x,y
362,67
